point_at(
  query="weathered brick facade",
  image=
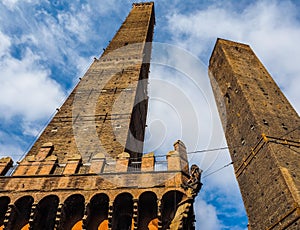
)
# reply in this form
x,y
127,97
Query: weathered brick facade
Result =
x,y
106,113
86,170
263,134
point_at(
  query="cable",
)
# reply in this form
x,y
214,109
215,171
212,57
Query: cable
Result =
x,y
291,148
208,150
214,162
225,166
294,150
290,131
196,151
216,149
239,146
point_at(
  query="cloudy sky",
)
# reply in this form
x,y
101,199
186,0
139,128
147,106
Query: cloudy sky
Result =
x,y
46,45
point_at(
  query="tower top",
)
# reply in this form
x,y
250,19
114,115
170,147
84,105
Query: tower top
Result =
x,y
145,4
224,42
137,4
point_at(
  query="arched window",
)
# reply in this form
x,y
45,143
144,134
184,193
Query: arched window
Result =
x,y
169,203
98,212
20,213
72,213
45,213
122,212
147,210
4,202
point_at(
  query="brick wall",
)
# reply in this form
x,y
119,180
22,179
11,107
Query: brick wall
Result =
x,y
262,132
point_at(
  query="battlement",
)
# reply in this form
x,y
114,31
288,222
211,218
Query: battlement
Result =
x,y
139,4
46,164
114,183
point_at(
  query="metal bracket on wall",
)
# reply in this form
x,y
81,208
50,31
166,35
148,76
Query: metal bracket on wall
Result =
x,y
264,140
281,141
295,210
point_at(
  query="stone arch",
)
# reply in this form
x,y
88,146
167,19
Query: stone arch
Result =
x,y
20,213
45,213
98,212
72,213
122,212
4,202
169,203
147,211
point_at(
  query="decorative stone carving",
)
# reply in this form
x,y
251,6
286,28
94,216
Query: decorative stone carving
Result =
x,y
193,185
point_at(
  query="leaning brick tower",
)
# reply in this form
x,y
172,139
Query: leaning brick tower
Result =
x,y
87,169
263,134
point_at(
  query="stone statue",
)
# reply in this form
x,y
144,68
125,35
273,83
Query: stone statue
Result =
x,y
193,184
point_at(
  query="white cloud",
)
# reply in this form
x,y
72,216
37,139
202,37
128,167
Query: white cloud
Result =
x,y
10,145
11,3
26,89
186,91
14,4
55,38
206,216
76,23
4,44
34,40
104,7
273,30
270,27
182,107
28,96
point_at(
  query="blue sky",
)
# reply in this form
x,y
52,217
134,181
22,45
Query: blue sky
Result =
x,y
45,46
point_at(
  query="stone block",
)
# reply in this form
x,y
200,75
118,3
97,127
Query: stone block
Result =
x,y
47,166
5,164
72,165
122,162
97,163
148,162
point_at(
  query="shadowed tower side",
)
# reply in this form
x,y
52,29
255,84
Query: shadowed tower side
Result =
x,y
263,134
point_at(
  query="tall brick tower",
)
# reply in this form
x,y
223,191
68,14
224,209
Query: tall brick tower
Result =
x,y
263,134
87,169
